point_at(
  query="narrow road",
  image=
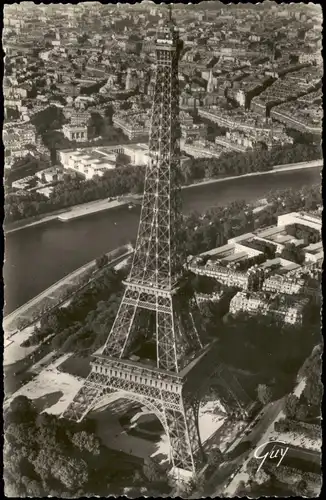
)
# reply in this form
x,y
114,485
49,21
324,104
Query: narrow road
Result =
x,y
259,431
233,463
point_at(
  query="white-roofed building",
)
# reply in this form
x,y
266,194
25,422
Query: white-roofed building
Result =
x,y
88,162
314,252
303,219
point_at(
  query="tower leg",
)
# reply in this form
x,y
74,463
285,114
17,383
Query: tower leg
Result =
x,y
86,398
119,337
186,449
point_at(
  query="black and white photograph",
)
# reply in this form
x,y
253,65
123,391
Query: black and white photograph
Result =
x,y
162,271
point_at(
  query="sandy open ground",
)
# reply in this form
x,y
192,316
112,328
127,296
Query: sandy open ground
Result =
x,y
51,381
13,350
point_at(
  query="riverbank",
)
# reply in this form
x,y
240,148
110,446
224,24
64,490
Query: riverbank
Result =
x,y
78,211
13,337
91,208
64,215
276,169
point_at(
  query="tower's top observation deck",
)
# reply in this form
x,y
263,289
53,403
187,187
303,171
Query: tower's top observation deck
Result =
x,y
167,36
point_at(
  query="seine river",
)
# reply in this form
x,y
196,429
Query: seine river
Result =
x,y
38,256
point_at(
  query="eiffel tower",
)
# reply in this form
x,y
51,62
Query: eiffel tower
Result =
x,y
157,302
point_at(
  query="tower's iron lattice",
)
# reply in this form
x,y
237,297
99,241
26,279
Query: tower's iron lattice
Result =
x,y
155,289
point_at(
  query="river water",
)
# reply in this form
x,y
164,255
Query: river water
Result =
x,y
38,256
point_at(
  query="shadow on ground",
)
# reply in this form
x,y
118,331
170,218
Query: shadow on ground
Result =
x,y
48,400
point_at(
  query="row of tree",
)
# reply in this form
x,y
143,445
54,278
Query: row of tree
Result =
x,y
46,305
232,163
84,324
302,411
310,431
125,180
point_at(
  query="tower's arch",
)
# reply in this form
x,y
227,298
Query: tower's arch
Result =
x,y
107,397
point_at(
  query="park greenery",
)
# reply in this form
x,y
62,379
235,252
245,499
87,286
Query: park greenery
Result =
x,y
48,456
83,325
302,414
126,179
216,226
271,353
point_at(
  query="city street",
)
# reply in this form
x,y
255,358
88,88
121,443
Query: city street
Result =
x,y
259,433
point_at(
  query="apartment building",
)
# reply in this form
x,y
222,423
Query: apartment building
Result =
x,y
283,284
300,117
200,148
245,302
290,312
133,125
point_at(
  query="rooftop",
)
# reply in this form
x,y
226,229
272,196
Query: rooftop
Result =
x,y
236,257
314,248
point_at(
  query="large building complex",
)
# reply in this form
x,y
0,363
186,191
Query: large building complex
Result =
x,y
254,263
88,163
92,161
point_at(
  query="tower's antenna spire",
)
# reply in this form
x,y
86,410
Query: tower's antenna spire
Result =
x,y
170,11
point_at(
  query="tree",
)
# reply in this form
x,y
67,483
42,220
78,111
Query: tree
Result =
x,y
195,485
13,488
102,261
71,472
152,470
264,393
291,406
44,463
33,488
262,477
292,253
313,391
301,413
215,457
86,441
21,410
302,488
